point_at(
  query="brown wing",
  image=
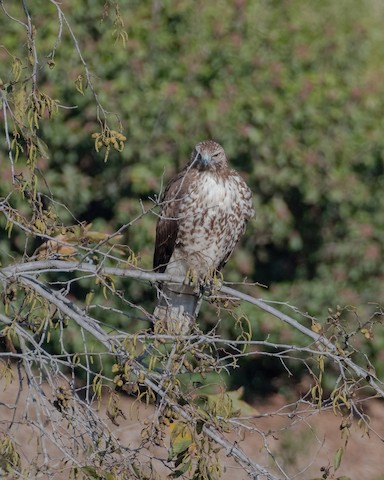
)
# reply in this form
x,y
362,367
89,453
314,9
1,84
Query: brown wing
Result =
x,y
168,224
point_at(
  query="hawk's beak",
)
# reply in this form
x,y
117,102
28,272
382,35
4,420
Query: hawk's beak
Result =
x,y
205,159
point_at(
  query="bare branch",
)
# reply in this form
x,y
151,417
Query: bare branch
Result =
x,y
323,344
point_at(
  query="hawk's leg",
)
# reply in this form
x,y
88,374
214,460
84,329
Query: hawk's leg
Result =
x,y
203,285
211,282
191,278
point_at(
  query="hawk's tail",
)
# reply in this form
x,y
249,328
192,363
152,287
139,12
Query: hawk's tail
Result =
x,y
177,309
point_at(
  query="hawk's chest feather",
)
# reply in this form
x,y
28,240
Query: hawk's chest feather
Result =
x,y
208,211
209,196
210,220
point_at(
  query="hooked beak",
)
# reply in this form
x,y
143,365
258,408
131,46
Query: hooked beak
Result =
x,y
205,159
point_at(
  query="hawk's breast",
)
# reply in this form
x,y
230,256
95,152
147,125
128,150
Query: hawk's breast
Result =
x,y
211,219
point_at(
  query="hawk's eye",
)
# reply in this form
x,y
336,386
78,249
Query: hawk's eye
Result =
x,y
214,155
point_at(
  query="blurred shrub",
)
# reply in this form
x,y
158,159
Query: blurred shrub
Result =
x,y
293,91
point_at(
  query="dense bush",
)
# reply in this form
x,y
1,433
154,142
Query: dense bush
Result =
x,y
293,91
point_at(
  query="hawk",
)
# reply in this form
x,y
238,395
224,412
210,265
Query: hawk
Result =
x,y
205,209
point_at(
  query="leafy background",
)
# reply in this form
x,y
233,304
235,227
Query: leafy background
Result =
x,y
293,90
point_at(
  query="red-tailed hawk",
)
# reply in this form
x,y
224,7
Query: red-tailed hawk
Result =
x,y
205,209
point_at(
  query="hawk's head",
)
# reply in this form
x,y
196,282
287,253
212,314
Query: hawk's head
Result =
x,y
208,155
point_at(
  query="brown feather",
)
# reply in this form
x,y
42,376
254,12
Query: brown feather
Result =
x,y
168,224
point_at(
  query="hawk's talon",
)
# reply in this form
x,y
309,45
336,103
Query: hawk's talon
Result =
x,y
191,278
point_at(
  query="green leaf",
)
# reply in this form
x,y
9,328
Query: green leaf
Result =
x,y
239,405
183,469
199,426
91,473
181,439
338,457
43,148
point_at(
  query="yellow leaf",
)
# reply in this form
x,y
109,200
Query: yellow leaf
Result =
x,y
43,148
115,368
79,84
229,404
181,438
316,327
321,363
89,297
366,333
16,68
239,405
20,101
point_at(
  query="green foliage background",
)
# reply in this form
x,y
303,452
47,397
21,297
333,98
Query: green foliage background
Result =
x,y
292,89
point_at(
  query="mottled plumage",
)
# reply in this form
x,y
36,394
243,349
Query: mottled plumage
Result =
x,y
205,209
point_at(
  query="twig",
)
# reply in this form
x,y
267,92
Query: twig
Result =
x,y
6,130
